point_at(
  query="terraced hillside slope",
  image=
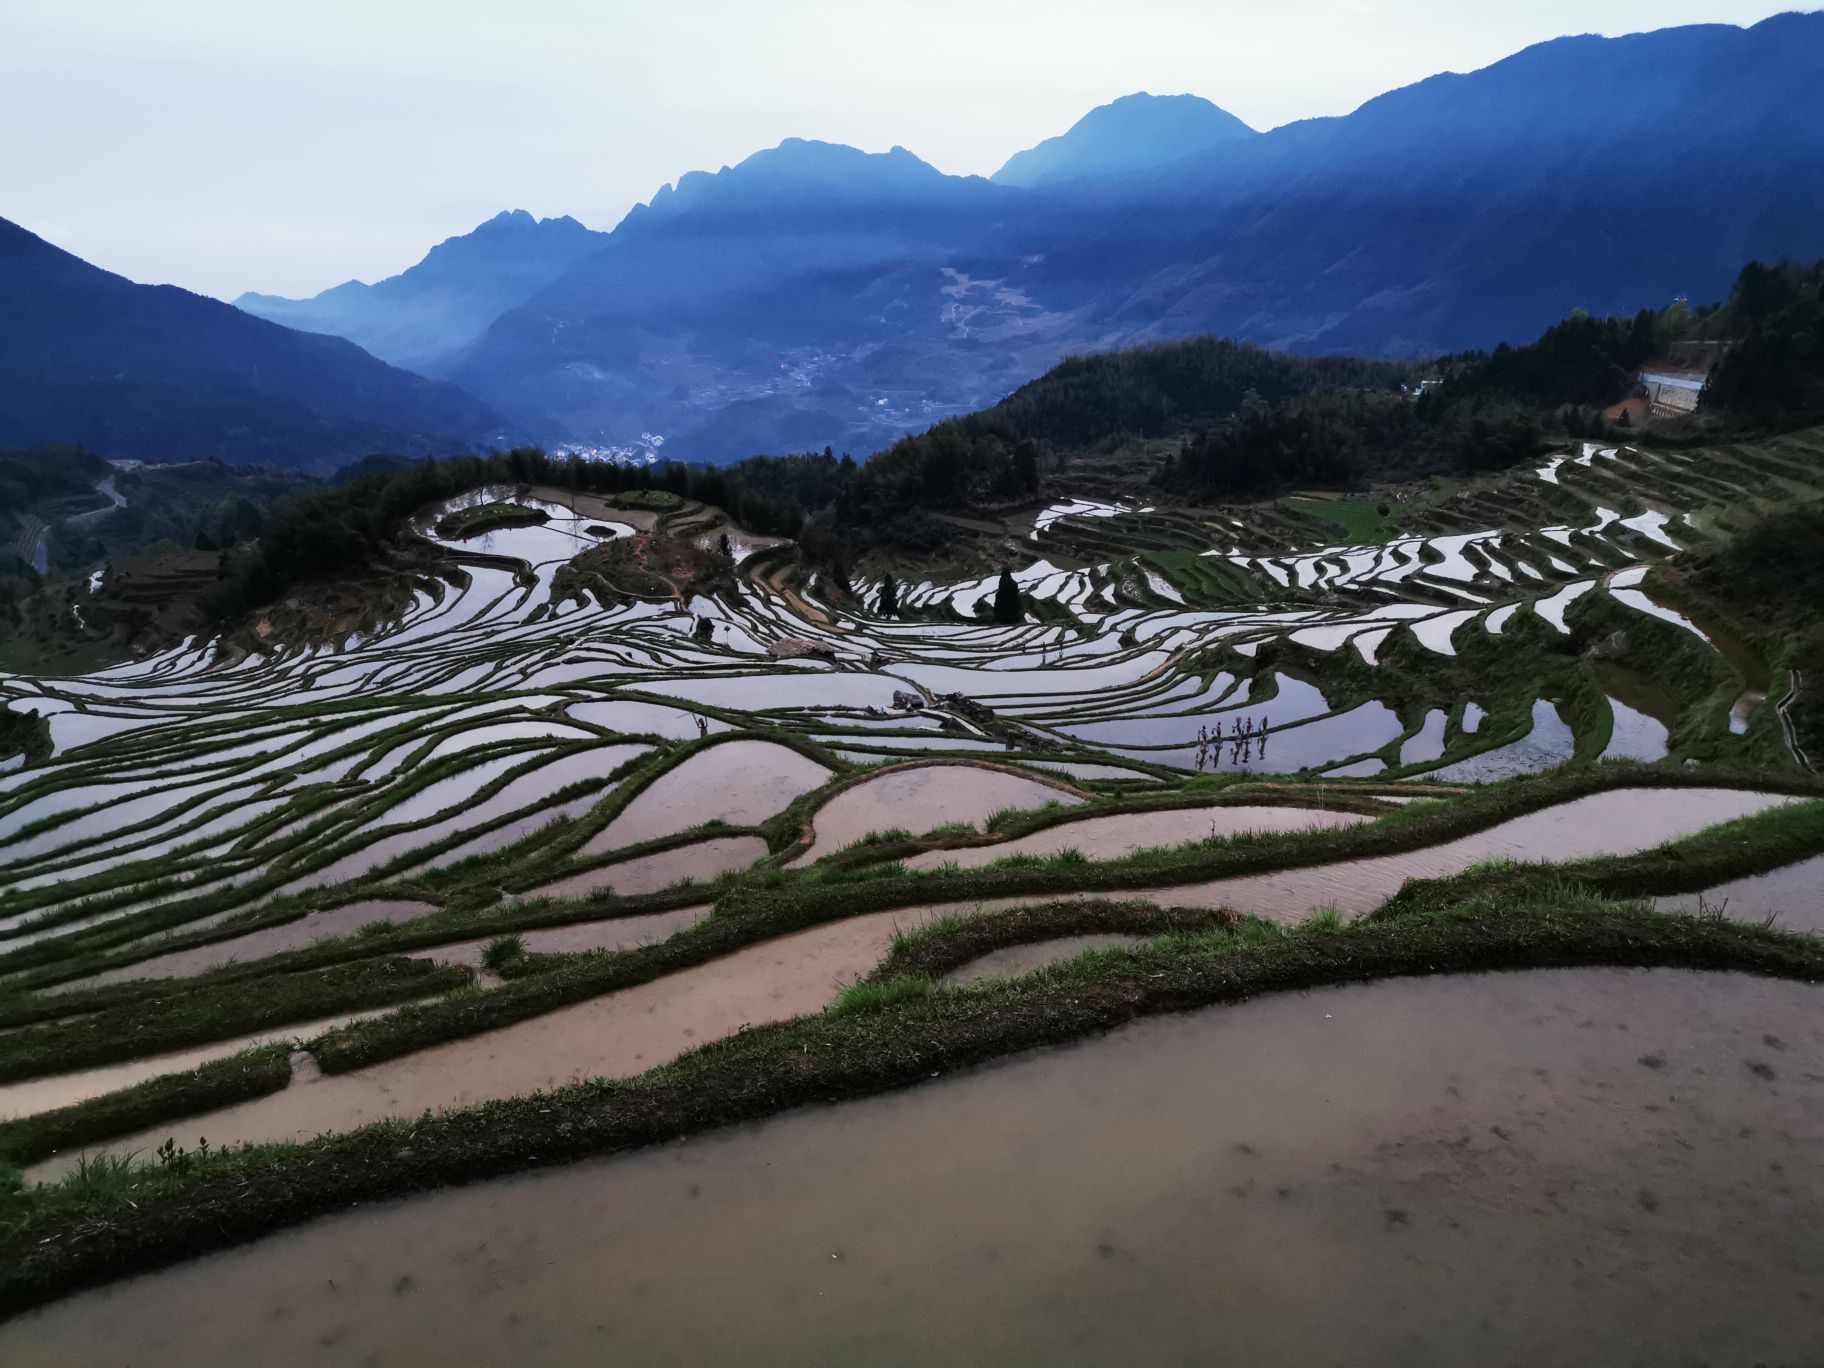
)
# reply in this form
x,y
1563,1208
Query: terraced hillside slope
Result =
x,y
625,824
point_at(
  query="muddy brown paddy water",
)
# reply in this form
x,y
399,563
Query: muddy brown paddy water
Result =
x,y
291,935
1122,833
1567,1167
1790,897
1618,822
920,798
615,1036
738,782
614,933
701,860
1023,959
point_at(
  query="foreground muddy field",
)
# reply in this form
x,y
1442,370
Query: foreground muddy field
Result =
x,y
1556,1166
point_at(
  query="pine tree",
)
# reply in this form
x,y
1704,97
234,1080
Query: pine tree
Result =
x,y
889,597
1007,606
1026,466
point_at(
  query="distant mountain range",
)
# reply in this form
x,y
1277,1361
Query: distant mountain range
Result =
x,y
158,373
815,294
447,300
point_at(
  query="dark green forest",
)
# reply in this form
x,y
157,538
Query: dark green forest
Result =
x,y
1772,373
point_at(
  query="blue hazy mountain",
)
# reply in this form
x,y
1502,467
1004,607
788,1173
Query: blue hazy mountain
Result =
x,y
1134,136
743,289
438,306
155,372
816,294
1467,210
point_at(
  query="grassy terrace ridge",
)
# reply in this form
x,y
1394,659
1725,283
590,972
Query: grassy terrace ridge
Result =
x,y
178,1016
1008,824
167,1098
488,517
647,501
950,943
110,1220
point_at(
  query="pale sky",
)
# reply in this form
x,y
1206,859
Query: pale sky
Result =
x,y
288,145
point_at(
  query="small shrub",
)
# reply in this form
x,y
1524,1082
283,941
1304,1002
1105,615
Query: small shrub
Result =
x,y
1002,818
881,838
825,874
503,950
1324,921
1494,864
863,996
98,1175
1410,812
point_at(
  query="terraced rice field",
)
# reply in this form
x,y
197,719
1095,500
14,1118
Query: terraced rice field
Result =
x,y
533,840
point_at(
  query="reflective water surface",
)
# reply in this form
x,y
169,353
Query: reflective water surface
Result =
x,y
1567,1167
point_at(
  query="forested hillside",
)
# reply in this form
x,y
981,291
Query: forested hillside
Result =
x,y
153,372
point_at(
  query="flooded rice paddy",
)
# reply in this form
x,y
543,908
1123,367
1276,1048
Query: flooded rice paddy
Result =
x,y
737,783
1615,823
1790,897
629,1031
925,796
1023,959
503,741
700,860
239,764
1577,1166
271,940
1619,822
1109,838
614,933
615,1036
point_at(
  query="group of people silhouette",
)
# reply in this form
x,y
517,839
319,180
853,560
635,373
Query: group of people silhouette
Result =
x,y
1241,742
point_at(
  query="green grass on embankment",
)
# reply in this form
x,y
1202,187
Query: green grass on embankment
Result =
x,y
488,517
174,1016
